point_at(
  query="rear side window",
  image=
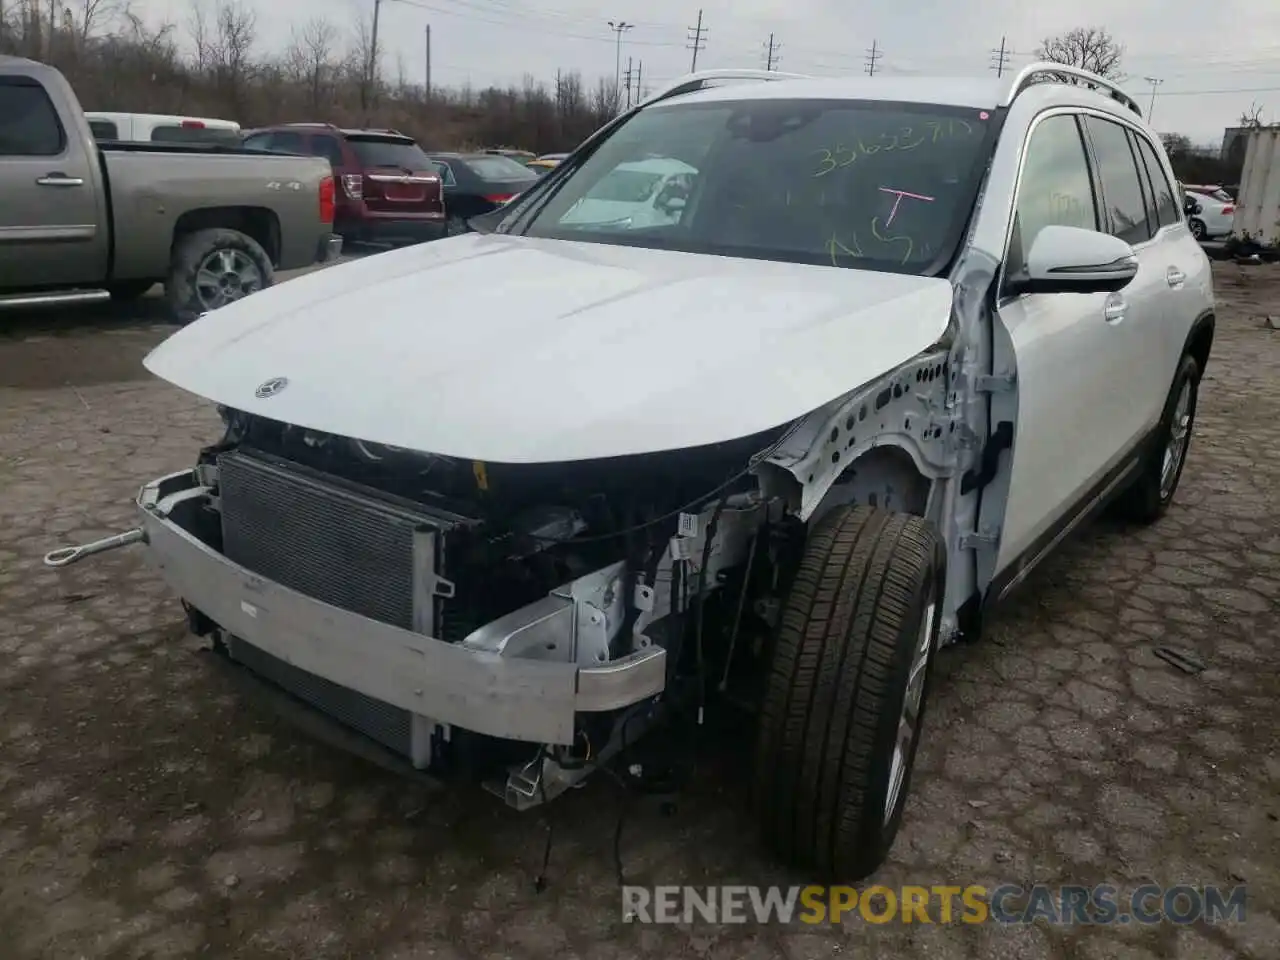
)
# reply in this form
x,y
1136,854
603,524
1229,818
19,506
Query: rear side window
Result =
x,y
401,152
497,167
287,141
1166,207
1121,186
446,173
1055,189
174,133
104,130
29,124
323,145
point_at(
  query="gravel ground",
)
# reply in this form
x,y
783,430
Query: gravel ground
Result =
x,y
149,809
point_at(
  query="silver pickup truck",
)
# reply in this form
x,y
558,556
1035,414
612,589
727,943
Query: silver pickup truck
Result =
x,y
83,221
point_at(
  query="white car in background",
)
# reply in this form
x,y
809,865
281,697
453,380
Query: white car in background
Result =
x,y
1210,212
645,193
162,128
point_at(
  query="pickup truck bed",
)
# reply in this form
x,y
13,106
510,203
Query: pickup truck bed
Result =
x,y
84,221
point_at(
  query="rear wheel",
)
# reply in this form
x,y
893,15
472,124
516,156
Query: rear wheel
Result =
x,y
1152,492
1198,229
847,690
212,268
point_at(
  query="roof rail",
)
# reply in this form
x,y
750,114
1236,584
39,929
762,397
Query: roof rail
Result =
x,y
1045,70
310,123
696,81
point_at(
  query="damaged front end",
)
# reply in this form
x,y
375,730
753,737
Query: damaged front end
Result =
x,y
516,623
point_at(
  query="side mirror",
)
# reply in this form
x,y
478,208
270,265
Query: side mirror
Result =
x,y
1075,260
674,204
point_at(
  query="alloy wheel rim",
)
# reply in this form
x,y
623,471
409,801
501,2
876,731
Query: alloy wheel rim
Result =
x,y
225,276
909,718
1175,450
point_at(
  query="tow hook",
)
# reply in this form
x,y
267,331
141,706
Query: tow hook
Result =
x,y
65,556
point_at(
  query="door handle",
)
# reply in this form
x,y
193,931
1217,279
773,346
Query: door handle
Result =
x,y
1115,309
60,180
1175,277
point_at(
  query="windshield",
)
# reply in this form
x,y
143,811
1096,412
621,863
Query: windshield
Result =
x,y
390,152
883,186
496,167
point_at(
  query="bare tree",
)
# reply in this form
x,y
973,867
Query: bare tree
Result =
x,y
92,16
1252,118
1090,48
310,58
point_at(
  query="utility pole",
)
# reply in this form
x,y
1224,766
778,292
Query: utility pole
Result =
x,y
696,42
619,27
370,68
873,57
628,76
1000,58
771,54
1155,82
428,61
639,76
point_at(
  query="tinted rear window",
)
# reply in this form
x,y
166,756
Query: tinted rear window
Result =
x,y
104,130
171,133
500,168
389,152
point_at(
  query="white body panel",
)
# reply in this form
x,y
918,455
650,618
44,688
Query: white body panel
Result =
x,y
513,349
1258,212
1088,389
138,127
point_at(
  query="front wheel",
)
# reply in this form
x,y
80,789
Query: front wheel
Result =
x,y
1198,229
842,713
212,268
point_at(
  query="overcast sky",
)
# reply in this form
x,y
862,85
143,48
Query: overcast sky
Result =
x,y
1215,59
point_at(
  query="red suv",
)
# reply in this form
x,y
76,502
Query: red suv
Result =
x,y
388,191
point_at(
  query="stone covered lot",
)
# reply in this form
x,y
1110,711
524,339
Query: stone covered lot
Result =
x,y
149,809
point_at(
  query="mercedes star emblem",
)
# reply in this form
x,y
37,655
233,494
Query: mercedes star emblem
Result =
x,y
270,388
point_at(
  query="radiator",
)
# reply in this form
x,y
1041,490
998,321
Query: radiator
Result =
x,y
334,544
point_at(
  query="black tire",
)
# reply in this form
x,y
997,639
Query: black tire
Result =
x,y
851,624
1150,495
1198,228
188,299
125,291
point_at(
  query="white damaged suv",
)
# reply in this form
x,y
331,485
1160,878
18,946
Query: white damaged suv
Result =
x,y
503,502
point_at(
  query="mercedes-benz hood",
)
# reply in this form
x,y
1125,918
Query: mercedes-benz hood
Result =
x,y
513,349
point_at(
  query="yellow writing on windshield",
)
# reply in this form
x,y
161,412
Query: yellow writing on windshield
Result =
x,y
834,158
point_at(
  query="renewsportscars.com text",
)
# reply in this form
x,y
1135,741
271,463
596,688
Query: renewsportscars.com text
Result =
x,y
1006,904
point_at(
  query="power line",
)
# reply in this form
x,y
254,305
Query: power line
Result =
x,y
696,41
1000,58
771,54
873,56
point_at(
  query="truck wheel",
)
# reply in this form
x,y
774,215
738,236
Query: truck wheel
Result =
x,y
212,268
127,290
846,693
1151,493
